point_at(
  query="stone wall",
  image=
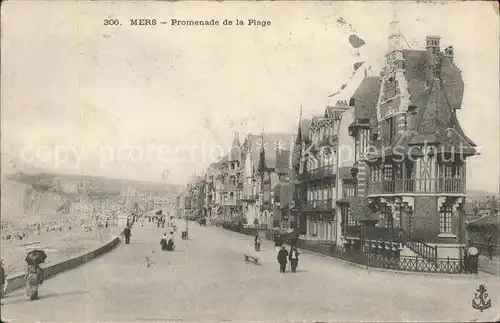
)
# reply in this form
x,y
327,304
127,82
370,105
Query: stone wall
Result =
x,y
18,280
426,218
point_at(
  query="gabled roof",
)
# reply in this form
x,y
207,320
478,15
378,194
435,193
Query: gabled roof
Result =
x,y
271,141
334,112
417,63
435,96
366,97
436,122
303,131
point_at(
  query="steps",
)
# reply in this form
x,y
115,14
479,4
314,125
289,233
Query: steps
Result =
x,y
407,252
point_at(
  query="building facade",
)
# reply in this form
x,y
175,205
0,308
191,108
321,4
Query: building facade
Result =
x,y
410,149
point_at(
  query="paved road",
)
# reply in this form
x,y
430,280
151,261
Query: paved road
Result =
x,y
206,279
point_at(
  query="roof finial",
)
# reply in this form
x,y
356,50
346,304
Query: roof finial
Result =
x,y
395,34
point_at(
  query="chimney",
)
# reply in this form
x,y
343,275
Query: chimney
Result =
x,y
432,43
448,52
432,47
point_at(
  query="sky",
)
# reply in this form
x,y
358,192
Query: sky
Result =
x,y
136,101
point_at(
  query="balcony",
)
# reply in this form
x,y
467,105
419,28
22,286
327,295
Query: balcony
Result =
x,y
319,205
407,185
329,171
250,197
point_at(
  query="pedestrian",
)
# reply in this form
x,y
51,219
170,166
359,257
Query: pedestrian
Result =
x,y
170,242
282,259
34,278
164,242
257,242
3,281
294,258
278,242
127,232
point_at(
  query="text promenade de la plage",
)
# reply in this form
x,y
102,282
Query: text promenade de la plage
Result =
x,y
144,22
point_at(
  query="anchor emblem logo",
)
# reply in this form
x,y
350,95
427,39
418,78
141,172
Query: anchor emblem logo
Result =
x,y
481,301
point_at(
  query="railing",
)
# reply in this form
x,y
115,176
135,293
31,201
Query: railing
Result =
x,y
451,185
319,205
417,246
465,265
348,192
324,172
407,185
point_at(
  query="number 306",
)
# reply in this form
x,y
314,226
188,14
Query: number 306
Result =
x,y
111,22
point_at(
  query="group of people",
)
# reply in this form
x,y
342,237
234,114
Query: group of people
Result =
x,y
167,242
283,255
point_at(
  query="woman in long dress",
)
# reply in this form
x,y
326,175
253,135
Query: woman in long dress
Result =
x,y
34,278
164,242
170,242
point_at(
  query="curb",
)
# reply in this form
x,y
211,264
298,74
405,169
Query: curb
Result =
x,y
18,280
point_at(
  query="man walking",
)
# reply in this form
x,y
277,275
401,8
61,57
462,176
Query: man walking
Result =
x,y
127,233
282,259
294,258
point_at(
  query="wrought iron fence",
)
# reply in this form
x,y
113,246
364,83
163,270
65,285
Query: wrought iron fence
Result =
x,y
419,247
467,264
464,265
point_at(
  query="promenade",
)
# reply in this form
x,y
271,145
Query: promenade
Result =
x,y
206,279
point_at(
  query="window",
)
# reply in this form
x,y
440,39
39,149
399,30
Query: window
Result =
x,y
449,170
445,215
350,220
351,102
392,127
388,172
409,169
